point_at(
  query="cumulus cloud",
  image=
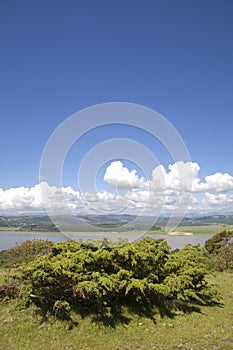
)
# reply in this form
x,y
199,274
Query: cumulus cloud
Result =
x,y
120,177
21,198
218,182
185,177
177,188
180,177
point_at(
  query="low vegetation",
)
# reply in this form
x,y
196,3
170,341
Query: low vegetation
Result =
x,y
220,251
25,252
131,296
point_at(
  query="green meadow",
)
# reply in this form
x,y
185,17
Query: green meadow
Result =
x,y
209,328
196,230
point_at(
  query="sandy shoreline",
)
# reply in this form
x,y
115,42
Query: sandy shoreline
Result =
x,y
175,233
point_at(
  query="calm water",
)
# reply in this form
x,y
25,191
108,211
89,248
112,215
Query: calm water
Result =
x,y
9,239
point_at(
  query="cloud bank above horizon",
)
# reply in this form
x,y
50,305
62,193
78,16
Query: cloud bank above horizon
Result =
x,y
130,194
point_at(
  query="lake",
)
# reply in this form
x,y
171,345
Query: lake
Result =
x,y
9,239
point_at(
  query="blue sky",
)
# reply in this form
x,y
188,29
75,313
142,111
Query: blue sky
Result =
x,y
58,57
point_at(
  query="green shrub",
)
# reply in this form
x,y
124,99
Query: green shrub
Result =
x,y
143,275
220,250
26,251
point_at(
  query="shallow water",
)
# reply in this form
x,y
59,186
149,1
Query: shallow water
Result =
x,y
9,239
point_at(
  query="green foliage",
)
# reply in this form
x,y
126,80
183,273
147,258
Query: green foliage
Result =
x,y
26,252
143,275
186,271
219,240
220,250
14,257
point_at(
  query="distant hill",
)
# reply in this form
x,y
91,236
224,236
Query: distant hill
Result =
x,y
207,220
103,223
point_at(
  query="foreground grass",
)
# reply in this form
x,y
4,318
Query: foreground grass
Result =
x,y
211,328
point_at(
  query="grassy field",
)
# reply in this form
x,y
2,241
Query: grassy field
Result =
x,y
211,328
204,230
197,230
9,228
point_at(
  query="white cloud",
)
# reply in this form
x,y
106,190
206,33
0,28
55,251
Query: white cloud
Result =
x,y
120,177
218,182
185,177
181,177
21,197
174,189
